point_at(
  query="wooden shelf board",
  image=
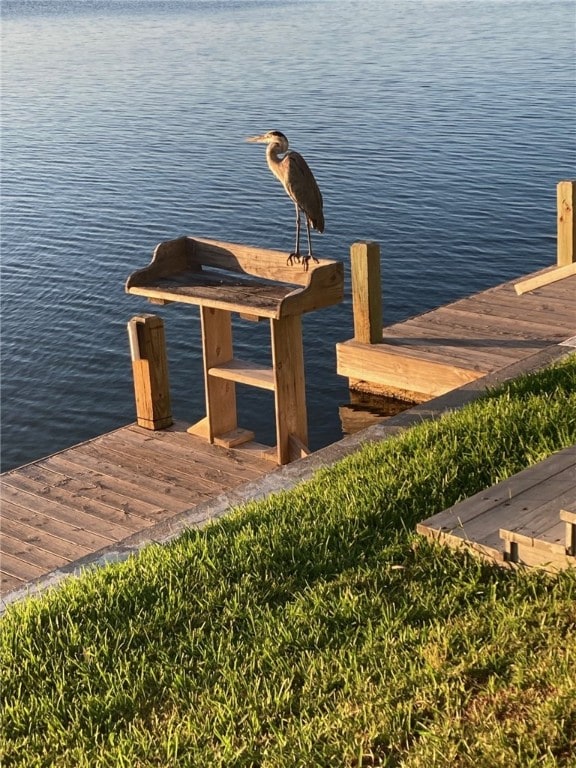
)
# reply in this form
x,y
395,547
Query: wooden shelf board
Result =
x,y
244,372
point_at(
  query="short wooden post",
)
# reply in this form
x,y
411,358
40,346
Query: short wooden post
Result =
x,y
366,292
150,371
565,199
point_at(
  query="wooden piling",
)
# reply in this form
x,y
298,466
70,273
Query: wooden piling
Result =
x,y
565,198
150,371
366,292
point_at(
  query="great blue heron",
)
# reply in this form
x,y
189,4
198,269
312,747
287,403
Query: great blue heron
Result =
x,y
296,177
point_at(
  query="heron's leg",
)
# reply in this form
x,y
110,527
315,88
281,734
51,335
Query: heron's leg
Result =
x,y
296,253
306,259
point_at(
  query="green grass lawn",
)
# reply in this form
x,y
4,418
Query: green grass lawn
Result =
x,y
314,628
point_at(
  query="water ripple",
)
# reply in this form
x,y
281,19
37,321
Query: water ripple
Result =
x,y
438,129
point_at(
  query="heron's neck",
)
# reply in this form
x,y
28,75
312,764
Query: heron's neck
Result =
x,y
273,158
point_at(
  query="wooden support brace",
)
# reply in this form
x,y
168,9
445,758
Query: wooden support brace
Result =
x,y
150,371
366,292
217,350
566,235
568,515
531,283
289,391
510,553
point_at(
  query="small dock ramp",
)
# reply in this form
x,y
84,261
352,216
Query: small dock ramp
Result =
x,y
528,519
438,351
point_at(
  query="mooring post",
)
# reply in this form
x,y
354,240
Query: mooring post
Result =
x,y
565,199
150,371
366,292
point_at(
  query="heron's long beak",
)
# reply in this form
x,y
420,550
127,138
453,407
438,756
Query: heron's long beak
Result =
x,y
257,139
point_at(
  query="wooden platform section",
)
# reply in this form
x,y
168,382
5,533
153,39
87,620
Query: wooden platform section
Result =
x,y
527,520
88,497
433,353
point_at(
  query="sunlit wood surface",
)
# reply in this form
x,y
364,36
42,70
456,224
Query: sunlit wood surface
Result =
x,y
447,347
88,497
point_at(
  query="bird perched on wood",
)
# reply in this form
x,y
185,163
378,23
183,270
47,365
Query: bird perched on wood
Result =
x,y
296,177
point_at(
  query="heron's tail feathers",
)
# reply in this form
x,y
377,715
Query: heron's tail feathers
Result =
x,y
318,222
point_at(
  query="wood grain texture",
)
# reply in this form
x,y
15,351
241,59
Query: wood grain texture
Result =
x,y
217,350
237,278
245,372
560,273
93,495
289,390
366,292
393,367
150,371
566,222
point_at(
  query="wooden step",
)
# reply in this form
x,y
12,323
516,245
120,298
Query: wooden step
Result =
x,y
568,514
550,542
244,372
522,554
234,438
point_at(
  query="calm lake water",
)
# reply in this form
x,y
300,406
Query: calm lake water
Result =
x,y
439,129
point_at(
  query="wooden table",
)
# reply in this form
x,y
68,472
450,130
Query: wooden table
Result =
x,y
225,278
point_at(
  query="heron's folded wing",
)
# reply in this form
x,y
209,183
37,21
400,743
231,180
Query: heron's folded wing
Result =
x,y
303,189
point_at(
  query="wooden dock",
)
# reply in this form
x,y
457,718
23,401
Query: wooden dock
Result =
x,y
433,353
447,347
86,498
528,519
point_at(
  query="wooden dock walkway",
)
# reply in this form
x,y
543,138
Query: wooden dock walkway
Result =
x,y
433,353
528,519
73,504
86,498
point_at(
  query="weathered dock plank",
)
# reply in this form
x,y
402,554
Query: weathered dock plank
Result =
x,y
114,507
88,497
77,480
84,463
31,553
492,325
91,517
79,537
